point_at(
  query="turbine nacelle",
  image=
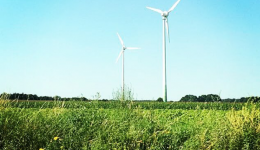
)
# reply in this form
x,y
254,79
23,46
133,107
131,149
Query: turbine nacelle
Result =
x,y
165,14
123,47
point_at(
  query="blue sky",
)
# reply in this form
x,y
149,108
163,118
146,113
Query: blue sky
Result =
x,y
69,48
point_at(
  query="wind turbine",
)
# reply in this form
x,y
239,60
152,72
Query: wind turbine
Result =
x,y
165,15
122,53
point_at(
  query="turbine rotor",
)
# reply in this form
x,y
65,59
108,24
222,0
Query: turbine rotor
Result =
x,y
165,14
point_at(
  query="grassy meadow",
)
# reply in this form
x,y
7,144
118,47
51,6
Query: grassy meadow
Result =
x,y
128,125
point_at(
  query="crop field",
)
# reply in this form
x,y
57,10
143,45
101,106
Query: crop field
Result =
x,y
128,125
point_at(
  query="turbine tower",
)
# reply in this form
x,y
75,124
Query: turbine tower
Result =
x,y
122,53
165,15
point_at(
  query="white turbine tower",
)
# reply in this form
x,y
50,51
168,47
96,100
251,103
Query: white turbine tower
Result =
x,y
165,15
122,53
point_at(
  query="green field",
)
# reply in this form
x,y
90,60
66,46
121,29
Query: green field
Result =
x,y
128,125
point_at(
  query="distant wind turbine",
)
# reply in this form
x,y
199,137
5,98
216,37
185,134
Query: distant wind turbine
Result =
x,y
122,53
165,15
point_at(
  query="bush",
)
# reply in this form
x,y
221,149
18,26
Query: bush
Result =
x,y
160,99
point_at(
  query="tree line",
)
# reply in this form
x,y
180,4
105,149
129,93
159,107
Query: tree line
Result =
x,y
22,96
187,98
216,98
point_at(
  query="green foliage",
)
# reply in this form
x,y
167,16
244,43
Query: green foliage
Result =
x,y
189,98
4,96
134,104
202,98
22,96
57,98
128,94
209,98
128,125
160,99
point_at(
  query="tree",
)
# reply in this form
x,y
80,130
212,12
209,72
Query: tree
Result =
x,y
202,98
209,98
189,98
214,97
160,99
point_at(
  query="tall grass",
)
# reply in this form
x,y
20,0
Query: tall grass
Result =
x,y
126,104
128,125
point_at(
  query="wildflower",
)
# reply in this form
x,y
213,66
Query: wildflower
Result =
x,y
56,138
41,149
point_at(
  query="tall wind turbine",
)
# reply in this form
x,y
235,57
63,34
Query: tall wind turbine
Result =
x,y
122,53
165,15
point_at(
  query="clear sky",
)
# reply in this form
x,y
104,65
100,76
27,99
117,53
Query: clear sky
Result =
x,y
69,47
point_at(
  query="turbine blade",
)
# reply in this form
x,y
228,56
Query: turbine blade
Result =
x,y
119,55
154,9
176,3
167,28
132,48
121,41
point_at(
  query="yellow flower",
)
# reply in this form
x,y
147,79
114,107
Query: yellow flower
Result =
x,y
56,138
61,147
41,149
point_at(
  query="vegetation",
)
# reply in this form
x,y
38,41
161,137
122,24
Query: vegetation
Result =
x,y
243,99
160,99
54,125
216,98
124,105
202,98
22,96
128,95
